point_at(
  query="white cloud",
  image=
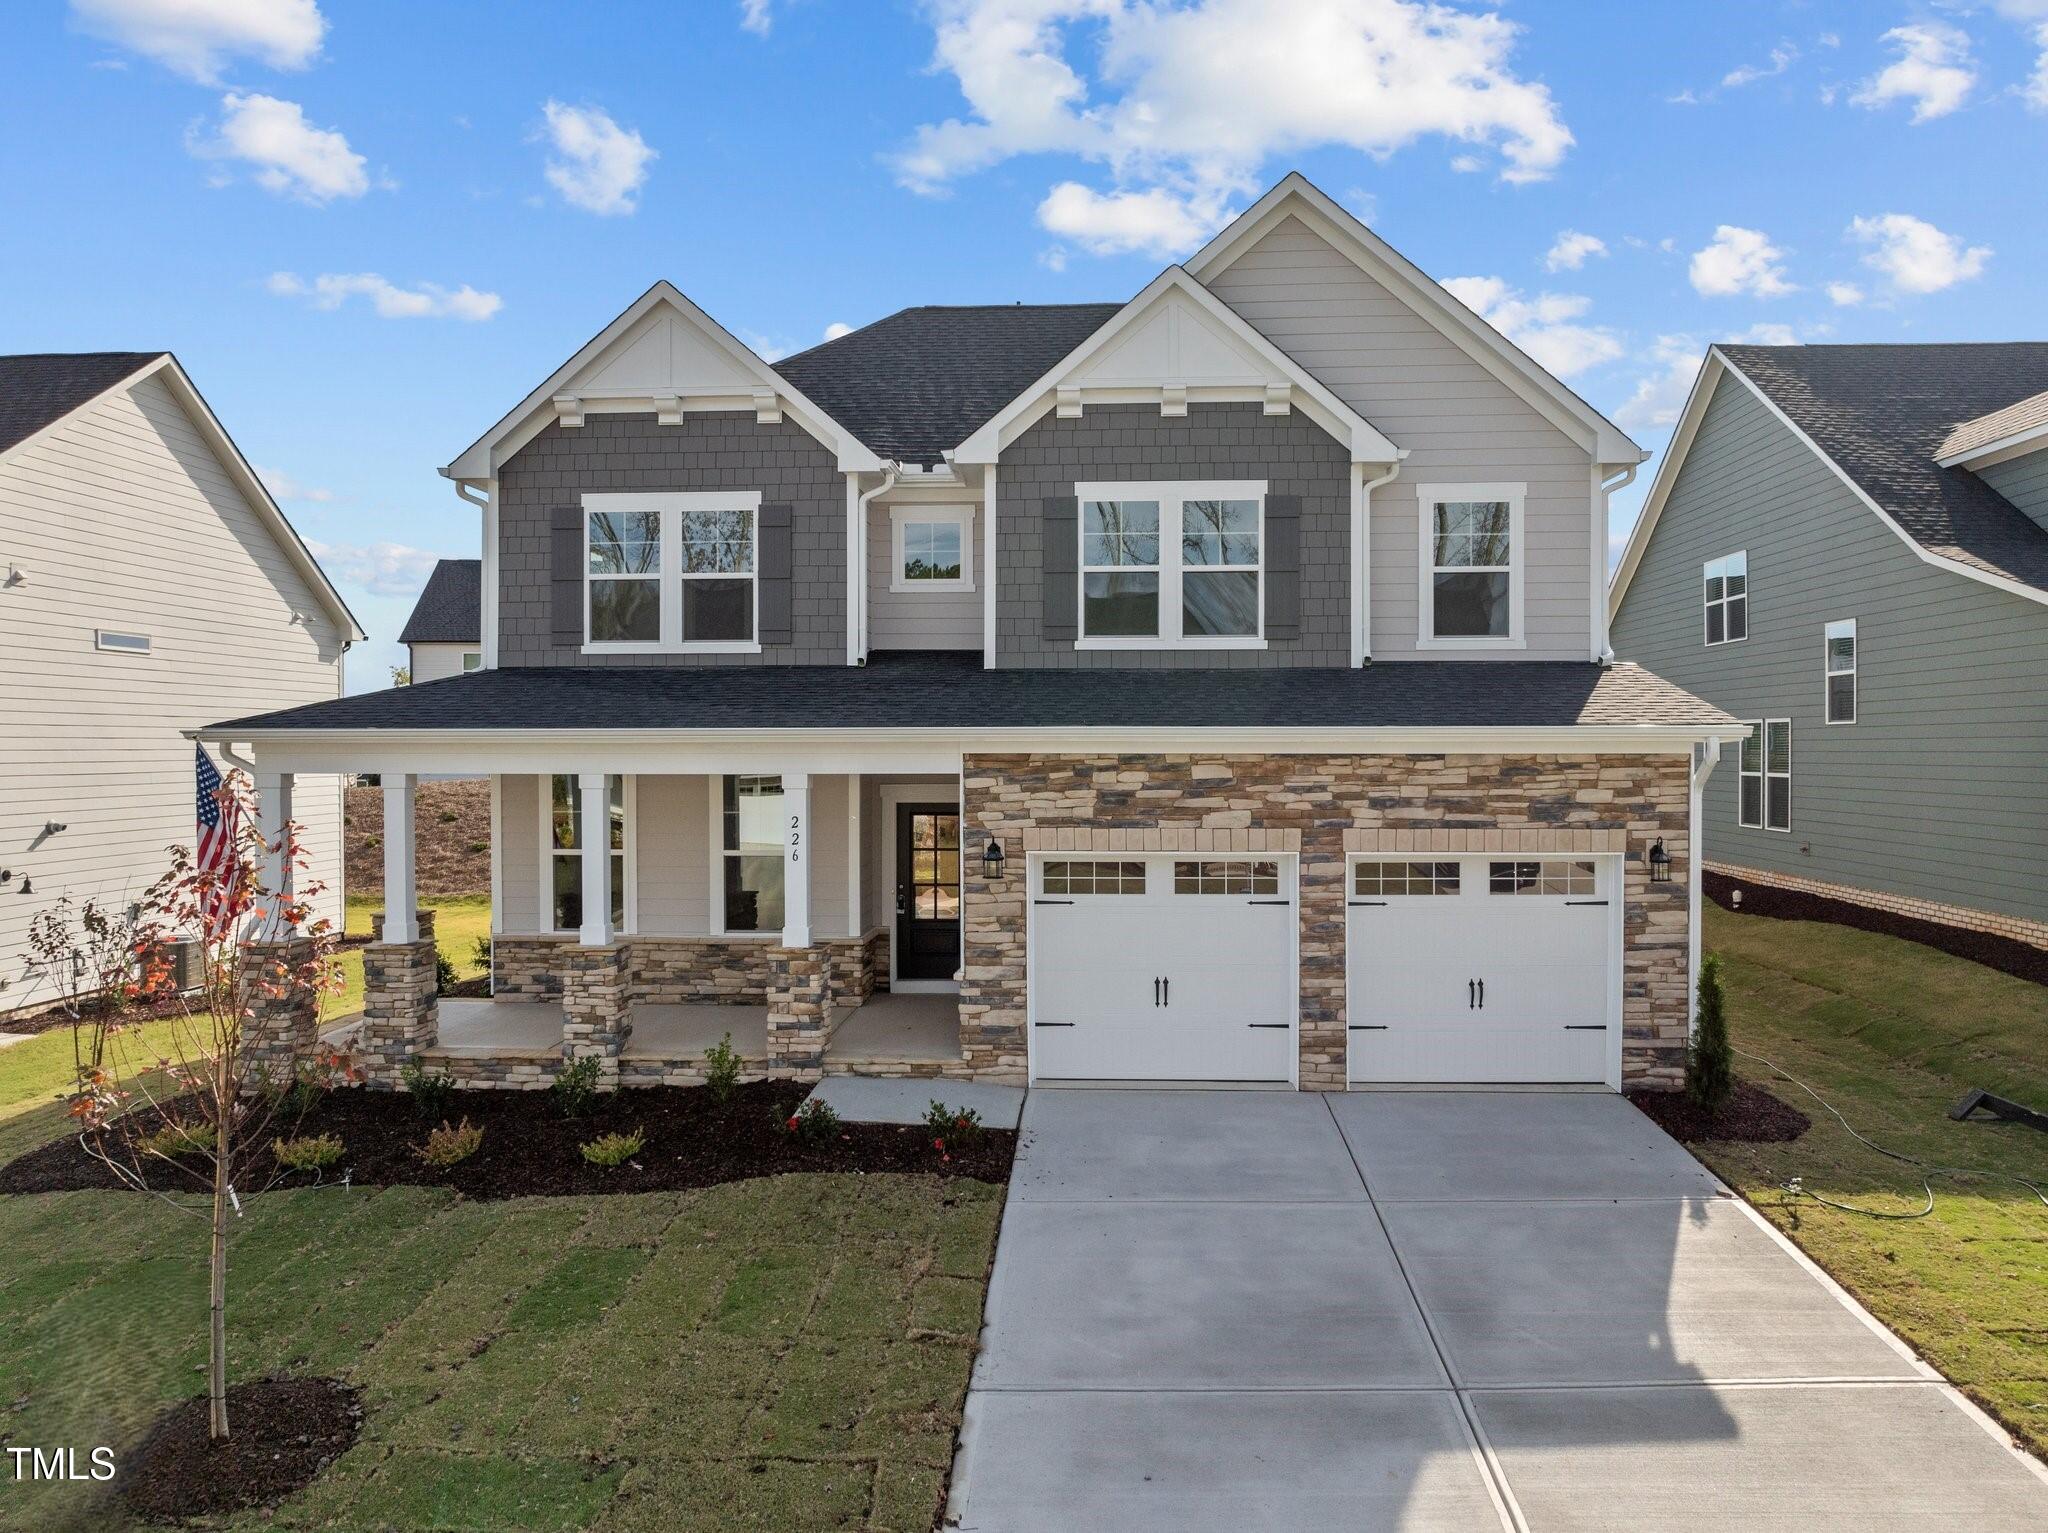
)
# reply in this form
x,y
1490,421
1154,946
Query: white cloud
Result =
x,y
1782,58
1571,249
283,487
290,156
1934,71
1659,395
1769,335
197,37
836,329
757,17
1914,255
426,301
597,165
382,569
2035,91
1544,325
1053,258
1184,105
1844,295
1739,260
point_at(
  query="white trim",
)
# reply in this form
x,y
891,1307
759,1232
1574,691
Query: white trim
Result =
x,y
988,544
854,885
1427,498
894,796
1297,197
488,512
497,861
1172,572
544,916
905,512
1346,425
1704,759
669,578
482,458
1709,603
1828,673
1716,365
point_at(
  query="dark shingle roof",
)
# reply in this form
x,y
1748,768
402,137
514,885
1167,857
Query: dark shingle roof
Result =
x,y
1882,412
917,384
40,387
451,607
936,688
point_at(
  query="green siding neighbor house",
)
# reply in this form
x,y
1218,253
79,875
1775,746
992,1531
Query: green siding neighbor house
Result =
x,y
1847,547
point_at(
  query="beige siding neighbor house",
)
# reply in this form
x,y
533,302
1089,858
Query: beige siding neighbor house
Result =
x,y
445,634
147,583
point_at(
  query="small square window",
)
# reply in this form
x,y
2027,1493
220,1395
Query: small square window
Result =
x,y
932,548
472,661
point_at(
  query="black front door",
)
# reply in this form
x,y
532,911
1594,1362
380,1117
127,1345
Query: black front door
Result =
x,y
927,891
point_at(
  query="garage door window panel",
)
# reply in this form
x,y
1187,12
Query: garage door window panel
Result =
x,y
1382,880
1093,877
1228,876
1546,876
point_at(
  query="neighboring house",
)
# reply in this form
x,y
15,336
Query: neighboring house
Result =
x,y
148,583
1847,546
1203,687
445,634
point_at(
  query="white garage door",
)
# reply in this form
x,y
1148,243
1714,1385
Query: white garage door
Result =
x,y
1162,968
1481,969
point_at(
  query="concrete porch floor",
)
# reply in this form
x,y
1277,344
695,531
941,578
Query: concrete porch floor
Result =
x,y
896,1027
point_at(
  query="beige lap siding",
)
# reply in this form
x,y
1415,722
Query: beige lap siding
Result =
x,y
1279,803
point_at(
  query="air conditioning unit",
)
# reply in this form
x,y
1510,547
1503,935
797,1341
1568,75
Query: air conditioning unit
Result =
x,y
188,965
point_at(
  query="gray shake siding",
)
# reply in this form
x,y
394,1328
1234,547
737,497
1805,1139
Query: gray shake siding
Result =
x,y
1935,791
1135,442
708,451
2024,482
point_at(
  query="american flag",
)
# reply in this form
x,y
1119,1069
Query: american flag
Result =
x,y
219,822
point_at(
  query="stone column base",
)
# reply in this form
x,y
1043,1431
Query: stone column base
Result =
x,y
596,1019
401,1002
277,1031
799,1007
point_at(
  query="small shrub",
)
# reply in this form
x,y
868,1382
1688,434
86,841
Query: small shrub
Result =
x,y
480,953
313,1153
722,1069
177,1137
611,1151
373,841
1710,1058
814,1122
430,1090
575,1088
447,1146
448,817
952,1128
444,972
476,847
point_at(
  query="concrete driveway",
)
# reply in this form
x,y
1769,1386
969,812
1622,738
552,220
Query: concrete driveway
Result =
x,y
1432,1310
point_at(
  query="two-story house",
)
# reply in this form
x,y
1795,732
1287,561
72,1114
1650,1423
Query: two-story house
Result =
x,y
444,636
1847,547
1213,686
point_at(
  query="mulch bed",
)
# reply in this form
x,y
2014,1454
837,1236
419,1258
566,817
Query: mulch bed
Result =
x,y
282,1432
529,1149
1750,1116
2004,954
126,1013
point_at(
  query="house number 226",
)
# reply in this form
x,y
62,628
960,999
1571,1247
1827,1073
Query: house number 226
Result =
x,y
796,838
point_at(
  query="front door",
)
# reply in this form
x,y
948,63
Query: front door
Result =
x,y
927,891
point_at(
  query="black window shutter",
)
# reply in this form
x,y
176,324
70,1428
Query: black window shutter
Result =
x,y
1283,566
775,549
1059,550
565,573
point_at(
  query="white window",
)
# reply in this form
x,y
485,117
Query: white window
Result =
x,y
1727,598
121,643
671,572
931,548
472,660
1471,566
750,853
1840,651
1172,565
562,876
1765,781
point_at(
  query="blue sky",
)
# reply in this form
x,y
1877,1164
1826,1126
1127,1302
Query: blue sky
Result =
x,y
368,228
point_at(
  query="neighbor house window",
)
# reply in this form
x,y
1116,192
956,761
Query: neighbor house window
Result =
x,y
1172,564
565,851
671,571
1840,648
1471,565
1749,806
932,548
1765,779
1727,598
472,660
751,853
121,643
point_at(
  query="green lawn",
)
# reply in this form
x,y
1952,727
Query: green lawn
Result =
x,y
1892,1034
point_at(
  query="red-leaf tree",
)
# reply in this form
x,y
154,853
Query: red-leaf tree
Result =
x,y
202,1121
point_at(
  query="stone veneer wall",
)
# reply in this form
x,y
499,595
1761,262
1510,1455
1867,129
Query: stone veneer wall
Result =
x,y
401,1001
1277,799
2018,928
280,1030
665,970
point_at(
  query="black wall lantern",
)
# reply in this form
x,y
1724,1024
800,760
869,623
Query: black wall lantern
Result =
x,y
1660,863
992,860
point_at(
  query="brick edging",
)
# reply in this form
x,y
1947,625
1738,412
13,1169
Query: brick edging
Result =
x,y
1961,917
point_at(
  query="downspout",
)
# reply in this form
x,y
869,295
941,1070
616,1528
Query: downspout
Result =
x,y
1704,759
1361,565
487,547
859,546
1603,648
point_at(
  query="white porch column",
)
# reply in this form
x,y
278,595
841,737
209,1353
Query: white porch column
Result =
x,y
596,835
853,871
273,813
796,859
401,887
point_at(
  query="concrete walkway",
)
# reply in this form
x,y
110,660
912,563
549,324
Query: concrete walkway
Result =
x,y
1432,1311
